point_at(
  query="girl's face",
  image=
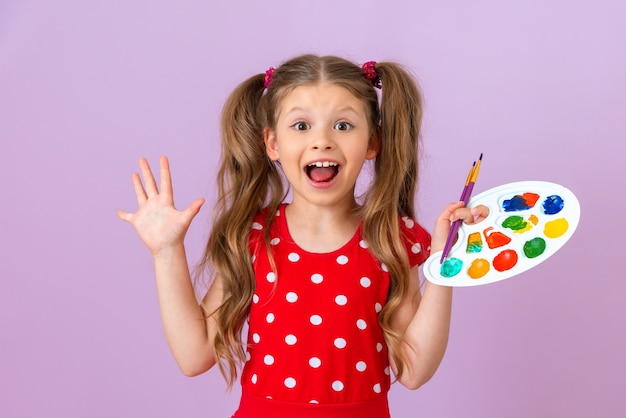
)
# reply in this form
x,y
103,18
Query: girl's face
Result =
x,y
322,138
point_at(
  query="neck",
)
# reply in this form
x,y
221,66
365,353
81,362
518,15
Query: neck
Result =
x,y
322,228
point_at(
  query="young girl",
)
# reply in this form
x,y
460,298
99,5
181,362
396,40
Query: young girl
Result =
x,y
327,284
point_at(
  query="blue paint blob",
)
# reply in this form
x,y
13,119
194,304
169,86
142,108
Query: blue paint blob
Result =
x,y
451,267
553,204
520,202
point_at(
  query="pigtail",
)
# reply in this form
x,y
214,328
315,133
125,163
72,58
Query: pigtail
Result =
x,y
245,178
393,188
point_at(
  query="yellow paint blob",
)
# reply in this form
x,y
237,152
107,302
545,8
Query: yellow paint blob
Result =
x,y
555,228
478,268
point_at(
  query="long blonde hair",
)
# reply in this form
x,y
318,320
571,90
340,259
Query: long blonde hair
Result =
x,y
249,181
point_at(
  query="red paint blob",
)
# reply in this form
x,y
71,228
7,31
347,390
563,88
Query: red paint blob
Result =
x,y
505,260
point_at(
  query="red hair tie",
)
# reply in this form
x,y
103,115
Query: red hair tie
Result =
x,y
370,73
269,76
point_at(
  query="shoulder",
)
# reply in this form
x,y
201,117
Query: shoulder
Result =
x,y
416,239
260,222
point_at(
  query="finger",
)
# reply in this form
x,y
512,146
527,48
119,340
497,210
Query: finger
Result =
x,y
166,177
148,178
480,213
448,212
139,190
464,214
125,216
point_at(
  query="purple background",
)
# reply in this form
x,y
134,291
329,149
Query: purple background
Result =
x,y
87,87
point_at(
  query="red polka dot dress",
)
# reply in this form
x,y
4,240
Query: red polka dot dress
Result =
x,y
315,347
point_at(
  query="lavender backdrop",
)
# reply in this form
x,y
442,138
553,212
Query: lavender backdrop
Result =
x,y
88,87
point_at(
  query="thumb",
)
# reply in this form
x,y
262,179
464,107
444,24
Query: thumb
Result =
x,y
125,216
193,209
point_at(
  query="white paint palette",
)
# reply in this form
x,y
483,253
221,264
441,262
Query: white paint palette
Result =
x,y
528,222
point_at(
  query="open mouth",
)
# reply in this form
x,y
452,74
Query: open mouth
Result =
x,y
322,171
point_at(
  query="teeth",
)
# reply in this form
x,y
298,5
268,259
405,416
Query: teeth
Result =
x,y
323,164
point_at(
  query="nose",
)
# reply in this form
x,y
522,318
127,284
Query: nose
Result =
x,y
323,141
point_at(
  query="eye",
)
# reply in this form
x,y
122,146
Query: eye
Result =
x,y
343,126
300,126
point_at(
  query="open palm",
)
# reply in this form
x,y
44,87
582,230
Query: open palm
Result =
x,y
157,221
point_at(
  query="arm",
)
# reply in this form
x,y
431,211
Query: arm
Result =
x,y
162,228
424,320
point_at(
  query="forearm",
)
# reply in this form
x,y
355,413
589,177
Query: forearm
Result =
x,y
184,322
427,335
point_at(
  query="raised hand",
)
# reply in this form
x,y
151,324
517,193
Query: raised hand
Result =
x,y
157,222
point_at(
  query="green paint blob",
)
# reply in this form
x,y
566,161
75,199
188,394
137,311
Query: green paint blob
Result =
x,y
515,223
451,267
535,247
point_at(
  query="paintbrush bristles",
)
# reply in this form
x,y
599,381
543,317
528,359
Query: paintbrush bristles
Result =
x,y
477,169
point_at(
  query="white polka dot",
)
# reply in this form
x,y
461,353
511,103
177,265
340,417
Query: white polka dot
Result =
x,y
377,388
384,267
254,379
268,359
341,300
337,386
291,339
361,366
270,318
313,401
274,241
361,324
271,277
291,297
257,226
293,257
253,259
315,319
256,337
416,248
247,356
366,282
363,244
255,298
379,347
378,307
315,362
340,343
342,259
290,382
409,223
317,278
387,371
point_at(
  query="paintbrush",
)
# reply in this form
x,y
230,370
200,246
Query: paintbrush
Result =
x,y
465,197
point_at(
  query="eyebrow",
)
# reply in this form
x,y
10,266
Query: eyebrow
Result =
x,y
346,108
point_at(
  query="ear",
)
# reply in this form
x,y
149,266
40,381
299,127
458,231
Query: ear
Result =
x,y
271,145
374,146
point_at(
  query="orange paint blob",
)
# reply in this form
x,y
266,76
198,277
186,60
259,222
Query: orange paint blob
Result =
x,y
478,268
506,260
495,239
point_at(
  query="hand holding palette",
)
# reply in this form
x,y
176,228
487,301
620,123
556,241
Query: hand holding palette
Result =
x,y
527,223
